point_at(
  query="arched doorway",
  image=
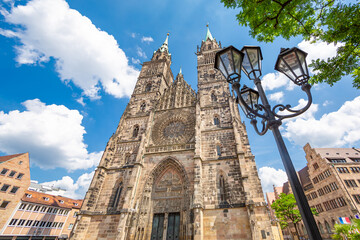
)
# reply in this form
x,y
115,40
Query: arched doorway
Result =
x,y
169,202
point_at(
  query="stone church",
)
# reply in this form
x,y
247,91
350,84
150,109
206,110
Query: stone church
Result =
x,y
179,165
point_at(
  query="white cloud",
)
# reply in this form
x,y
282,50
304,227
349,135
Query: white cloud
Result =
x,y
75,190
272,81
318,50
277,97
135,60
335,129
133,35
140,52
147,39
81,101
326,103
84,54
270,176
52,134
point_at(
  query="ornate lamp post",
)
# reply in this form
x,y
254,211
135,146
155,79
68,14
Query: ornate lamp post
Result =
x,y
292,63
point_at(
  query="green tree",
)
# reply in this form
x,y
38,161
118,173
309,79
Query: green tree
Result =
x,y
286,211
347,231
331,21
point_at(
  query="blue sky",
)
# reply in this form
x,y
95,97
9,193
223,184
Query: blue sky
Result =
x,y
68,68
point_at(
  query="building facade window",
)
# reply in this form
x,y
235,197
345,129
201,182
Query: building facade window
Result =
x,y
19,176
327,226
4,171
5,187
4,204
222,189
216,121
321,228
350,183
356,198
12,173
148,87
30,207
213,97
29,223
13,222
21,222
218,150
14,190
117,195
22,206
316,166
142,107
70,226
136,131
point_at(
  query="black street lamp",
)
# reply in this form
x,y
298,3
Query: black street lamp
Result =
x,y
292,63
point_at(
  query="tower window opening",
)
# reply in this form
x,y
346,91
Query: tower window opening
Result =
x,y
148,87
218,150
142,106
213,97
117,195
222,189
127,158
216,121
136,131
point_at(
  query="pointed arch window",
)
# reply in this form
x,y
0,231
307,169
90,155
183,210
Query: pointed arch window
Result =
x,y
216,121
148,87
222,189
117,195
328,228
143,106
213,97
127,158
218,150
321,228
136,131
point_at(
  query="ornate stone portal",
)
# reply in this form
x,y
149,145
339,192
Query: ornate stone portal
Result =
x,y
179,165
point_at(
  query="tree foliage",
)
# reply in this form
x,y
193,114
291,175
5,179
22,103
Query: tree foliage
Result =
x,y
347,231
286,210
331,21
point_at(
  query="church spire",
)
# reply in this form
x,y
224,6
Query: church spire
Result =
x,y
163,51
164,47
208,34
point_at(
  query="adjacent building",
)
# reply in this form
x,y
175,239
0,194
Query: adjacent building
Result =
x,y
27,214
334,184
179,165
14,181
42,216
331,182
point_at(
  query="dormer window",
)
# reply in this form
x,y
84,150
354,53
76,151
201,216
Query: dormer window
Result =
x,y
61,201
46,198
76,204
28,195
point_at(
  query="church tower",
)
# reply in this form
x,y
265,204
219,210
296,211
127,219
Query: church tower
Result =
x,y
179,165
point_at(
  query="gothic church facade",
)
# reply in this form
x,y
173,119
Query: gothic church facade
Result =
x,y
179,165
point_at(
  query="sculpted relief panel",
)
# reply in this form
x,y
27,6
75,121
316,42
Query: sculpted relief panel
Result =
x,y
168,192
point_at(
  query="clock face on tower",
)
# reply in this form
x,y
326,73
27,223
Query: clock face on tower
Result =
x,y
173,129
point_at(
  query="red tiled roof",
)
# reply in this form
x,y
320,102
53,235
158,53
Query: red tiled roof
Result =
x,y
6,158
55,201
